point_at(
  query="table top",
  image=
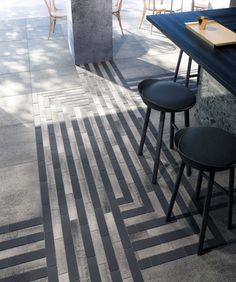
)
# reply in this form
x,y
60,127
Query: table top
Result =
x,y
220,62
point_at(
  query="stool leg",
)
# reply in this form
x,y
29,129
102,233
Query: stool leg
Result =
x,y
140,151
178,65
187,123
199,184
188,72
172,130
198,74
205,212
172,201
231,197
158,148
186,118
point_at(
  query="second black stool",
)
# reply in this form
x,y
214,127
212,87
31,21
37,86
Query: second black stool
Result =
x,y
164,97
207,149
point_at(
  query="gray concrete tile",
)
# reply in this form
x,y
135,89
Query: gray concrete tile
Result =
x,y
20,195
15,84
54,78
17,144
12,48
14,64
46,53
194,268
11,23
41,32
16,110
14,33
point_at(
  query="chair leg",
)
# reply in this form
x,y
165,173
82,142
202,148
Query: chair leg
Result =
x,y
178,65
158,148
152,24
231,197
119,20
172,130
140,151
50,28
188,72
54,25
172,201
205,213
187,124
143,15
186,118
199,184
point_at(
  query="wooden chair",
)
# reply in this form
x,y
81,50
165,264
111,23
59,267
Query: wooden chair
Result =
x,y
151,5
201,5
116,12
54,14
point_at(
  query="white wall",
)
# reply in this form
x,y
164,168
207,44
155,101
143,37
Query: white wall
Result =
x,y
216,4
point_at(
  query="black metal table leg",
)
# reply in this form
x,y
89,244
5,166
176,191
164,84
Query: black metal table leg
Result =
x,y
205,212
178,65
188,72
231,196
140,151
172,201
198,74
158,147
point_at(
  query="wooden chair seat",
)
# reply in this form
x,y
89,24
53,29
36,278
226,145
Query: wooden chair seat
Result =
x,y
59,13
201,5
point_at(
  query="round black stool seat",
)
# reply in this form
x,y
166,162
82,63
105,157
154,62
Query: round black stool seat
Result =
x,y
166,96
206,148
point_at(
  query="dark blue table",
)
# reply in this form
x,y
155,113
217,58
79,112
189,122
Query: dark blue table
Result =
x,y
220,62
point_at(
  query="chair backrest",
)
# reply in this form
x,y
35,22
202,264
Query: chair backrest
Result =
x,y
50,5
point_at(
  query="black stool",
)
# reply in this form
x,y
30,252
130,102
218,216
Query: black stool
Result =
x,y
208,149
164,97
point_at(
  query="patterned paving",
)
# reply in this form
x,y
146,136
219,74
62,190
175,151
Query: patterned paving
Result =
x,y
103,220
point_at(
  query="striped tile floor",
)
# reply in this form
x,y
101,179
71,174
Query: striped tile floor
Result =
x,y
103,220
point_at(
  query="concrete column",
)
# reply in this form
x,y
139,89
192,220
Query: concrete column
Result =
x,y
233,3
90,30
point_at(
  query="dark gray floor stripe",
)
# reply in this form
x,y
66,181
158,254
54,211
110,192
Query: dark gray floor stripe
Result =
x,y
27,276
65,221
168,256
161,239
115,210
32,238
134,174
108,248
46,210
23,258
21,225
114,162
135,146
98,70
